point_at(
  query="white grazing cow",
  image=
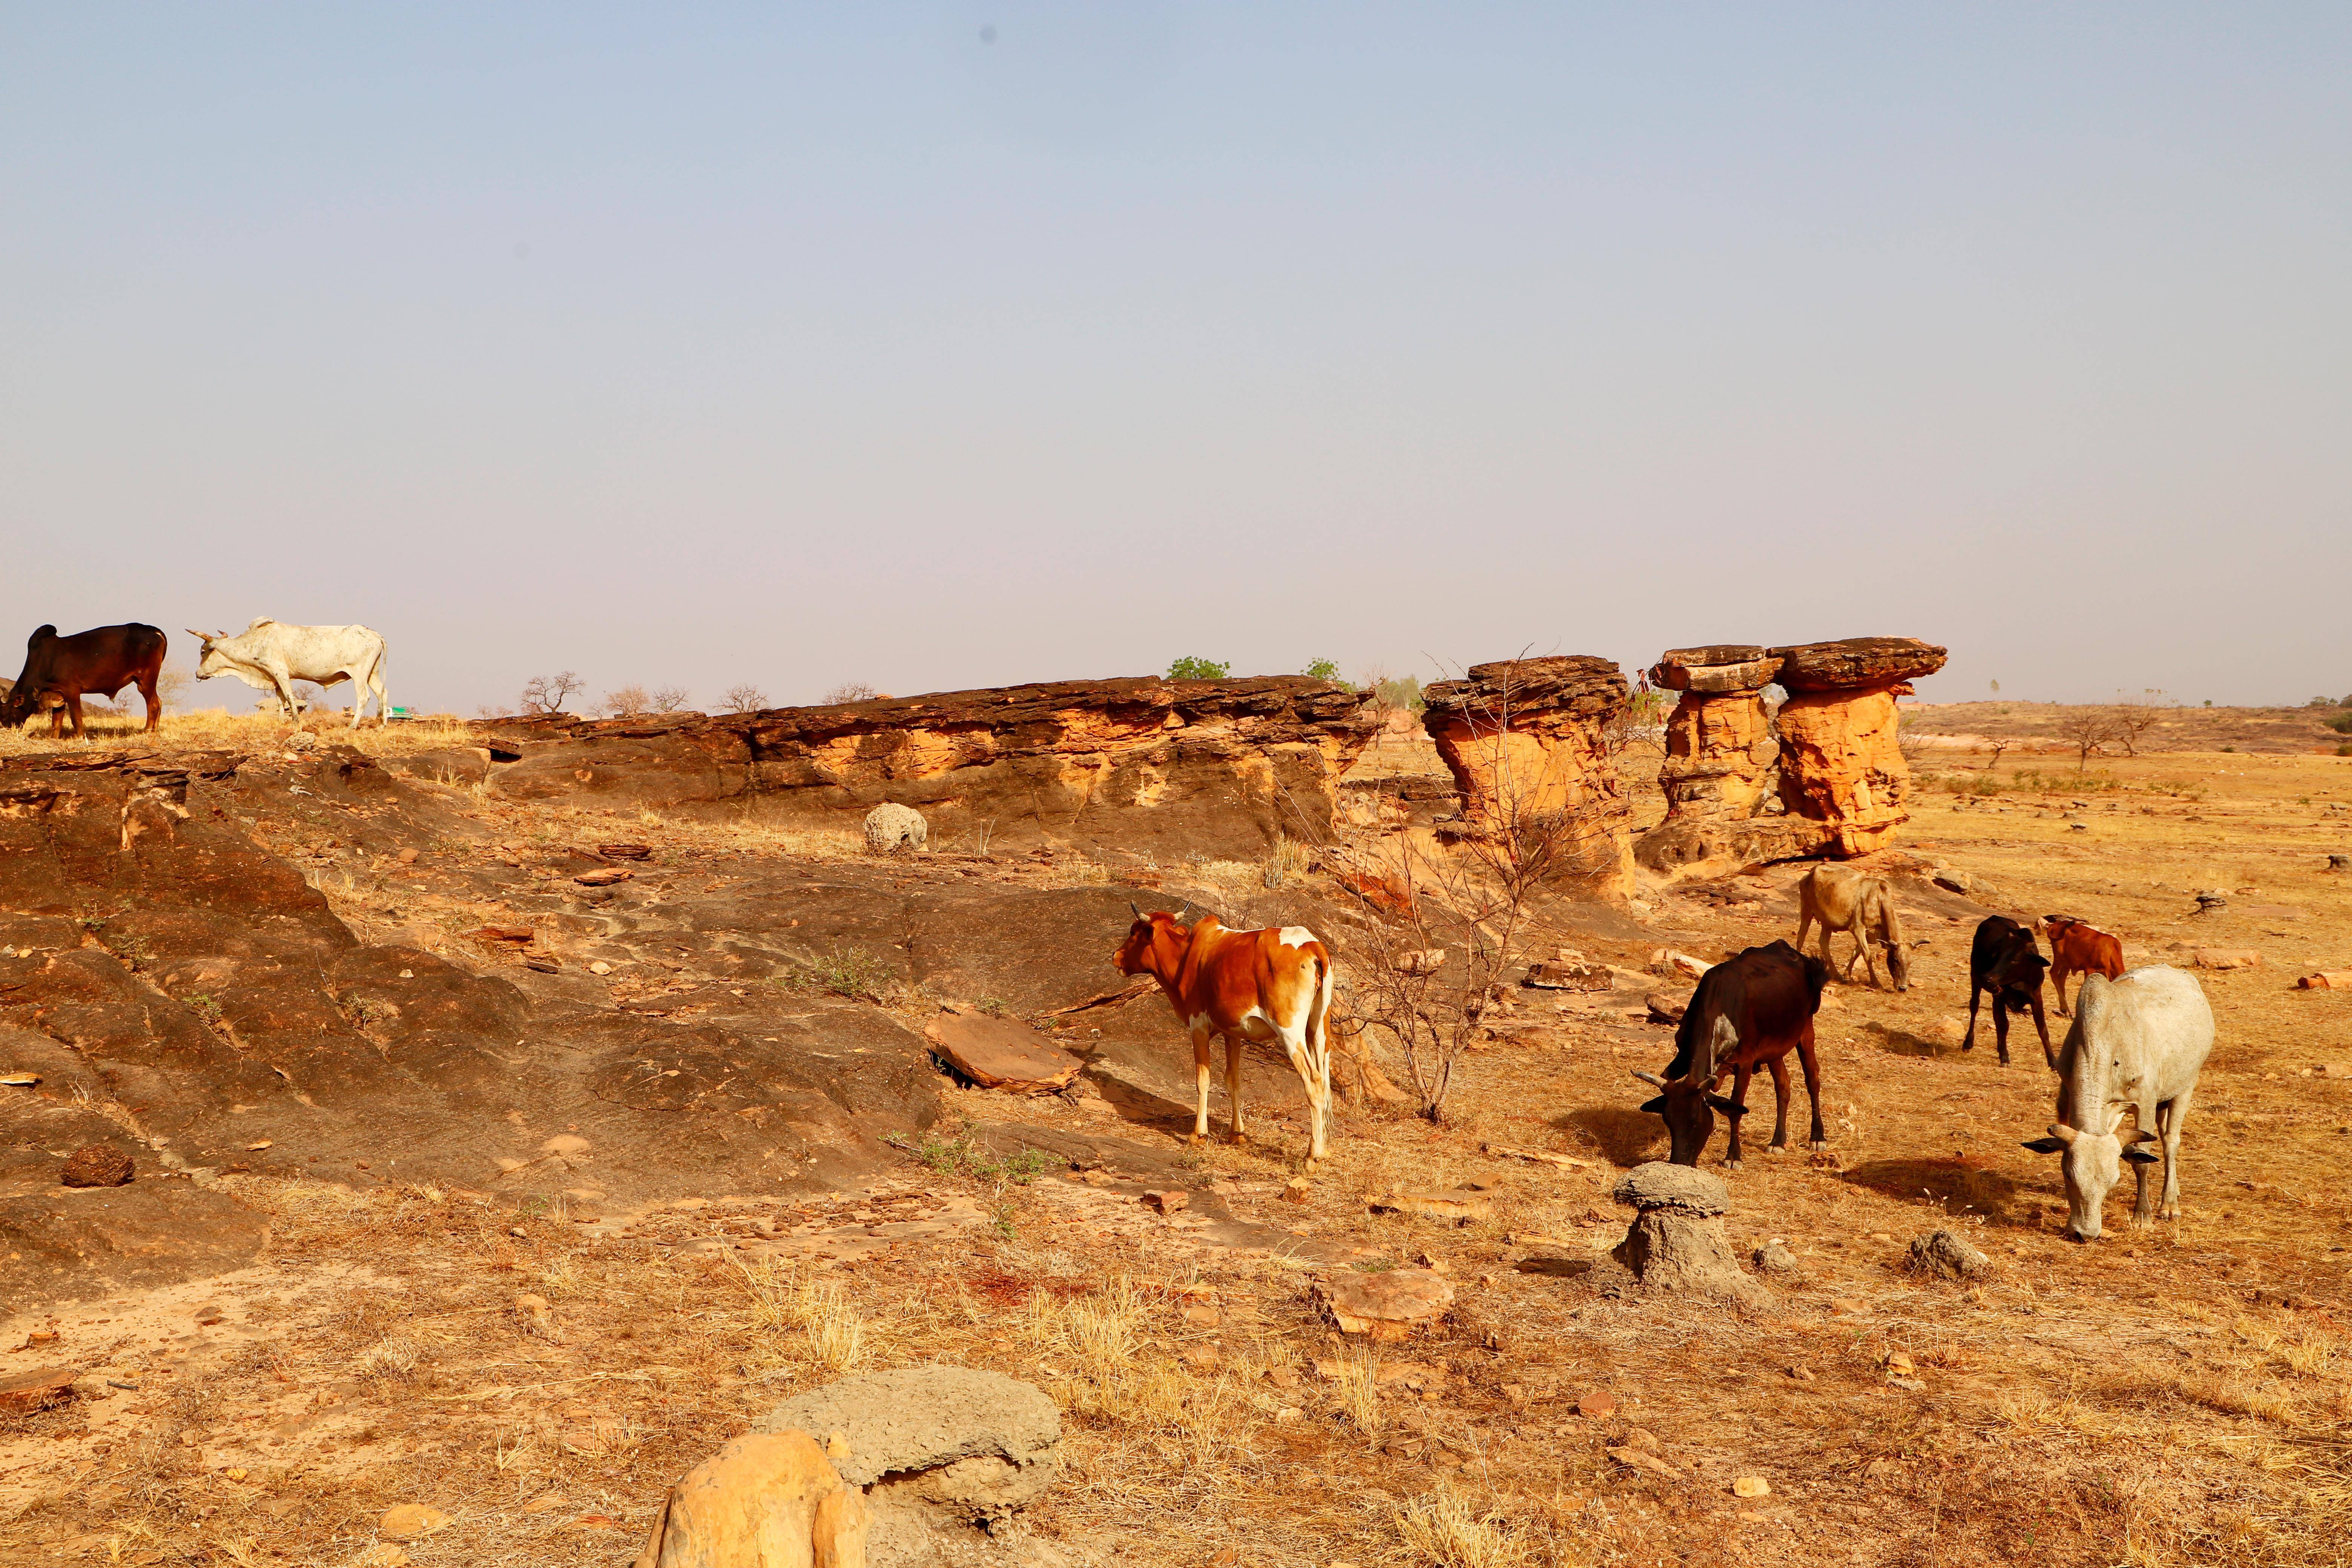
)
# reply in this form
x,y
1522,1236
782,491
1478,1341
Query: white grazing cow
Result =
x,y
1844,899
268,657
2137,1045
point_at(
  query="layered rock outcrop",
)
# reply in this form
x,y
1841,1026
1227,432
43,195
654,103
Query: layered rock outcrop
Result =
x,y
1843,778
1835,781
1720,757
1220,768
1531,742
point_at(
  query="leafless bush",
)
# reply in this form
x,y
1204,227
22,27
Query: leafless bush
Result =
x,y
1442,935
849,691
671,699
2088,730
626,703
744,699
2135,717
548,693
1643,721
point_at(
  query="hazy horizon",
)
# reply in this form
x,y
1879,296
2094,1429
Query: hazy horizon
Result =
x,y
953,345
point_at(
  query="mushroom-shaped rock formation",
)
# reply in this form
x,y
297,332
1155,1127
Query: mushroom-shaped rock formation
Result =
x,y
1719,757
1842,776
1527,742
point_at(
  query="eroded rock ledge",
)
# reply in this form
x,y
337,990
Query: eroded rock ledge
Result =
x,y
1165,767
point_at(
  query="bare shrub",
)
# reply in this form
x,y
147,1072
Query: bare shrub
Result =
x,y
745,698
671,699
2135,717
2089,731
546,694
849,691
1444,930
627,702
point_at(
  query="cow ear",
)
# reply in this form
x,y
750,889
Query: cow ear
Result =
x,y
1728,1106
2045,1145
2140,1157
1656,1105
2144,1136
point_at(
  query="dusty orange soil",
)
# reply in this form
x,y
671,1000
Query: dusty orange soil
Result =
x,y
2180,1396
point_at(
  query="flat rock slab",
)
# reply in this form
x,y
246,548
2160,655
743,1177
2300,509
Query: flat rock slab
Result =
x,y
949,1434
1856,662
1388,1305
997,1053
22,1392
1446,1208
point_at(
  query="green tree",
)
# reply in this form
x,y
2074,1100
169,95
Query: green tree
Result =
x,y
1322,669
1198,669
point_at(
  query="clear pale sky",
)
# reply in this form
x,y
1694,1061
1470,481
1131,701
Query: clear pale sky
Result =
x,y
950,345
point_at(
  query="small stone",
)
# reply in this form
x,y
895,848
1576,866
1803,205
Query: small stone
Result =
x,y
1751,1486
1774,1257
1847,1307
1170,1201
407,856
409,1520
533,1310
1943,1252
1898,1361
564,1143
1596,1405
1909,1385
600,967
97,1165
1295,1191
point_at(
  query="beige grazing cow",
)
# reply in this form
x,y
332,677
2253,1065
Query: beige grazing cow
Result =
x,y
1842,899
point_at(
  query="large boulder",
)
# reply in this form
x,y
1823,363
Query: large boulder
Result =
x,y
1855,664
973,1444
1532,740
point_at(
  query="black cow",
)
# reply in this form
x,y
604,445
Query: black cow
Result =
x,y
2005,960
59,670
1745,1011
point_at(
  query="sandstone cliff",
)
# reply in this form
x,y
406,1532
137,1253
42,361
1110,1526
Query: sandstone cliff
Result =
x,y
1166,768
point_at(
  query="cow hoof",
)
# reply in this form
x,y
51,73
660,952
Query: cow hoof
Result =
x,y
1196,1139
1819,1146
1731,1165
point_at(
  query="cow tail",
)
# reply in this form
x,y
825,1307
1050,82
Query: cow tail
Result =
x,y
1318,1011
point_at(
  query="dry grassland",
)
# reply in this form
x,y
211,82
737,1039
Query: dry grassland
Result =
x,y
2180,1398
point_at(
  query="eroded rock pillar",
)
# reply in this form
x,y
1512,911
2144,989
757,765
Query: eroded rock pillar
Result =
x,y
1842,774
1530,740
1720,753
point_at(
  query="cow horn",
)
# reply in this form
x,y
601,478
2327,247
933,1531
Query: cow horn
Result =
x,y
1653,1079
1136,907
1185,910
200,636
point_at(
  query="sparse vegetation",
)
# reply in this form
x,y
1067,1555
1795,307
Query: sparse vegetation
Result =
x,y
849,691
744,698
1322,669
1189,669
547,694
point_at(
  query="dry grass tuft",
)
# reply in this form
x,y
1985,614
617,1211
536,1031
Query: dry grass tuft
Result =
x,y
1446,1530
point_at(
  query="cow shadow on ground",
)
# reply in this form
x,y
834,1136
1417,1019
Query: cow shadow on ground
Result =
x,y
1904,1042
1626,1136
1956,1186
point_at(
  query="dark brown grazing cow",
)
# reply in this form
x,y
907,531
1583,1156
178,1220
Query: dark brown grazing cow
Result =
x,y
2005,960
1746,1011
59,670
2078,948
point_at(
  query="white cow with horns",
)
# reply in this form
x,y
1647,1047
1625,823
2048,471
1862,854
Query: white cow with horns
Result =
x,y
270,657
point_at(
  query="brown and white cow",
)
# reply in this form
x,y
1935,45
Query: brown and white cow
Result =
x,y
1269,984
1747,1011
2078,947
